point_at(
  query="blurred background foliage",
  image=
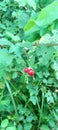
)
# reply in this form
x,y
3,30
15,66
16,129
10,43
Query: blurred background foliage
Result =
x,y
28,38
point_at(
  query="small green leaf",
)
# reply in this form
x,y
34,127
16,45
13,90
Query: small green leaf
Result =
x,y
33,99
4,41
51,123
11,128
30,25
32,4
27,126
49,97
14,38
21,2
2,26
44,127
4,123
20,127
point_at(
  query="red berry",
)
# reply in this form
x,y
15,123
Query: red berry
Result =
x,y
26,70
29,69
31,72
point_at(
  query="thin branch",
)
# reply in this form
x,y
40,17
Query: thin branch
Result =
x,y
48,44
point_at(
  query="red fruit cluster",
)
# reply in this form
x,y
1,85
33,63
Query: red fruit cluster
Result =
x,y
30,71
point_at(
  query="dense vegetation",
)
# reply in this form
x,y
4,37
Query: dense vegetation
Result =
x,y
28,39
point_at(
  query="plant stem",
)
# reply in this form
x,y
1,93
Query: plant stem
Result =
x,y
13,102
41,110
48,44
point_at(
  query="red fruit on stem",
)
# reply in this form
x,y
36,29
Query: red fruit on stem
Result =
x,y
31,72
26,70
29,69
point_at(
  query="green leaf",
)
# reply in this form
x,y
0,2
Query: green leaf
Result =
x,y
51,123
49,97
4,41
33,99
30,25
5,57
48,38
31,61
5,60
11,128
55,115
56,74
32,4
5,101
2,26
27,126
55,66
2,129
31,118
14,38
20,127
21,2
15,49
47,54
47,15
44,127
21,16
4,123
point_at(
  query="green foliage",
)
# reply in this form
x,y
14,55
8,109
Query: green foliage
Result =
x,y
28,38
45,18
4,123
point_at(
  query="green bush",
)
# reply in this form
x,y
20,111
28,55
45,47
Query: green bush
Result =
x,y
28,38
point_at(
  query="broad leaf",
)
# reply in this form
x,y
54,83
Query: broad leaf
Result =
x,y
48,14
46,17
